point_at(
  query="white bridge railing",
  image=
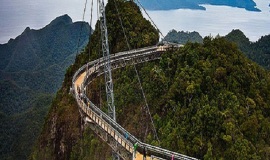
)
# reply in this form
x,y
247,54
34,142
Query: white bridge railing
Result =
x,y
108,125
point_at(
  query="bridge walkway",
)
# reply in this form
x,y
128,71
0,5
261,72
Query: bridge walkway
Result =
x,y
106,128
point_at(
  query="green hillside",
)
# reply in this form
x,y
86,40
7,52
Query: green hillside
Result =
x,y
207,100
258,51
32,68
211,102
63,136
182,37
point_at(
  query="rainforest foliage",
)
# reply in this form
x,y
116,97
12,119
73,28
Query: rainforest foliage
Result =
x,y
258,51
62,136
207,100
210,102
32,68
182,37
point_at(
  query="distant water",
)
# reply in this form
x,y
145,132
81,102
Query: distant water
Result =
x,y
16,15
216,20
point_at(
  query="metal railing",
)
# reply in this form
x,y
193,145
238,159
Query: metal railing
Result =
x,y
91,110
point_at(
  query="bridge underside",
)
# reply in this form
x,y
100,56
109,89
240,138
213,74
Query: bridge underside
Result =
x,y
110,140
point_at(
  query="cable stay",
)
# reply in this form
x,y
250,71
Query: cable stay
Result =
x,y
150,18
104,125
79,40
137,75
91,18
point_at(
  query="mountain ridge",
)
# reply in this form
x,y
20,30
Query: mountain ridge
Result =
x,y
258,51
32,68
61,135
207,100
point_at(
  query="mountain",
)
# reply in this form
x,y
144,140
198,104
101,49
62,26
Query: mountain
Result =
x,y
32,68
63,135
207,100
249,5
182,37
258,51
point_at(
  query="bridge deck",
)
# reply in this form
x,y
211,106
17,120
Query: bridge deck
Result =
x,y
107,128
80,80
139,156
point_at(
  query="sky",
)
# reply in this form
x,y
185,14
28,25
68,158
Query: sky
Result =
x,y
16,15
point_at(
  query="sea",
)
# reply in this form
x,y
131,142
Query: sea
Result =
x,y
16,15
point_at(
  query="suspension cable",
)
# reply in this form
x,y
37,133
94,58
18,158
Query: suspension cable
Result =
x,y
137,74
120,19
99,46
91,18
150,18
79,40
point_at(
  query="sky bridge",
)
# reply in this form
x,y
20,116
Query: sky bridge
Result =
x,y
123,144
103,125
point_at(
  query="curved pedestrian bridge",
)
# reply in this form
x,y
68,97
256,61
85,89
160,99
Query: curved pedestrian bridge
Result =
x,y
119,139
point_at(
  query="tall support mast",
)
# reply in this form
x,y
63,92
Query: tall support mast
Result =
x,y
107,65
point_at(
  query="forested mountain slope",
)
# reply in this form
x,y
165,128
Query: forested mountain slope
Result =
x,y
63,135
207,100
210,101
32,68
182,37
258,51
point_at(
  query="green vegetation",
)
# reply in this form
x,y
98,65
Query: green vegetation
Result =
x,y
207,100
32,68
183,37
211,102
62,136
258,51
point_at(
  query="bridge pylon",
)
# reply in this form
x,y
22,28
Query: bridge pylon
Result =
x,y
107,67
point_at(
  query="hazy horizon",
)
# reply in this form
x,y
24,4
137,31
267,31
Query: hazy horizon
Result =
x,y
17,15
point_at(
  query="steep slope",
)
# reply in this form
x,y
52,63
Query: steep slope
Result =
x,y
258,51
182,37
32,67
63,135
261,51
207,100
240,39
213,102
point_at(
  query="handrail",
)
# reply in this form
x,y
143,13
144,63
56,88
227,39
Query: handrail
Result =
x,y
118,128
